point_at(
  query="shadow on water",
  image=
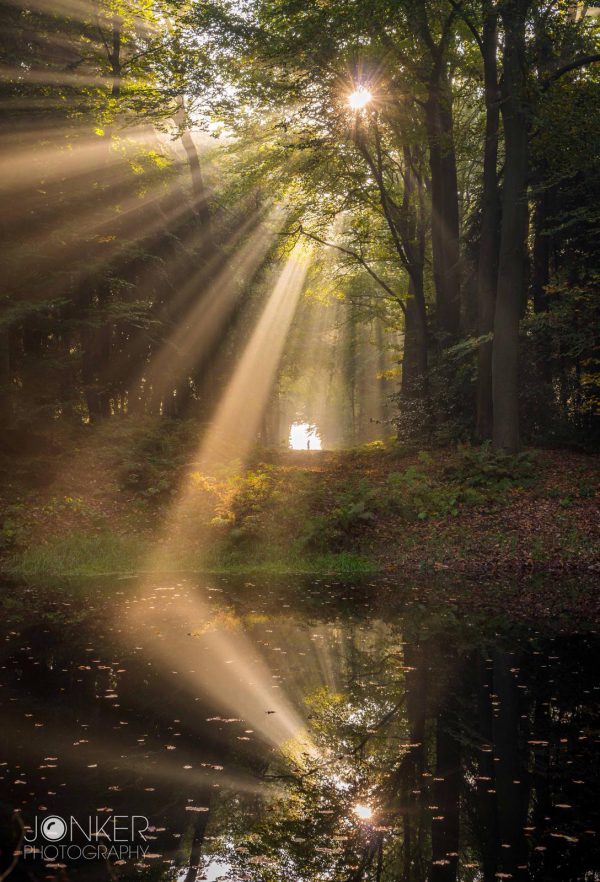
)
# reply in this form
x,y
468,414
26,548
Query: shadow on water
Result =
x,y
432,745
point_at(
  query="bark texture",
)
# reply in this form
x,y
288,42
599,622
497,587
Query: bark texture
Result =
x,y
513,238
487,267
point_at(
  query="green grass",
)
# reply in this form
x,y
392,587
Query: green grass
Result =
x,y
341,564
85,554
79,554
278,519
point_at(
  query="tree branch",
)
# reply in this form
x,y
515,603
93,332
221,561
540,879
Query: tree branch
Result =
x,y
102,37
447,31
360,259
582,61
387,203
458,8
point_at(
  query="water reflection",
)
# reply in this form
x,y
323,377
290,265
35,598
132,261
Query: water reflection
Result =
x,y
426,745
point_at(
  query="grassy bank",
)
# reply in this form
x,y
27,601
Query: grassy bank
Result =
x,y
104,554
376,508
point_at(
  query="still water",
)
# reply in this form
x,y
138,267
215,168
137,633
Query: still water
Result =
x,y
297,730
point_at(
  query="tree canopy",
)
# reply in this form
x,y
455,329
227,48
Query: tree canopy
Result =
x,y
440,158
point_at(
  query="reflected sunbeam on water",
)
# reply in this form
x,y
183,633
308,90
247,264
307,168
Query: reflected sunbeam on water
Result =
x,y
304,730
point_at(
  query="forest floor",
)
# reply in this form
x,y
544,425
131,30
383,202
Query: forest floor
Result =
x,y
86,508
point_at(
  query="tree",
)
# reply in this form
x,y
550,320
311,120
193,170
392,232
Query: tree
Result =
x,y
513,231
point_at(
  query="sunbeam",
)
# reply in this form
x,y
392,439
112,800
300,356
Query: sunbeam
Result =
x,y
236,422
200,327
270,274
238,679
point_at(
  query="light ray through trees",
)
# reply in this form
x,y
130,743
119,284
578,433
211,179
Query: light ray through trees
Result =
x,y
208,313
236,422
238,677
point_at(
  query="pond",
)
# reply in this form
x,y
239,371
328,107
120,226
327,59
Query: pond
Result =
x,y
299,729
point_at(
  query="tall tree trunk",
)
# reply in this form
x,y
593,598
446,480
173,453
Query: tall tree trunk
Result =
x,y
351,359
95,293
115,57
512,795
407,228
444,204
414,358
416,338
445,826
96,349
199,191
486,809
487,266
513,241
198,841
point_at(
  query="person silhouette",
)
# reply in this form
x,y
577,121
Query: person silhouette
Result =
x,y
308,443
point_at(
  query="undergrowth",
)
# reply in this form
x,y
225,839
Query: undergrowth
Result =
x,y
273,515
279,506
83,555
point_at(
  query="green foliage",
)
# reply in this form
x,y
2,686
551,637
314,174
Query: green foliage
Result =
x,y
252,502
279,508
445,415
104,553
483,470
346,511
12,531
277,518
415,495
561,391
151,463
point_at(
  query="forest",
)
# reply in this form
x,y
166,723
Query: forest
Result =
x,y
232,228
437,164
299,396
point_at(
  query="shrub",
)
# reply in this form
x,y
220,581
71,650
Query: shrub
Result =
x,y
152,463
339,523
415,495
483,469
